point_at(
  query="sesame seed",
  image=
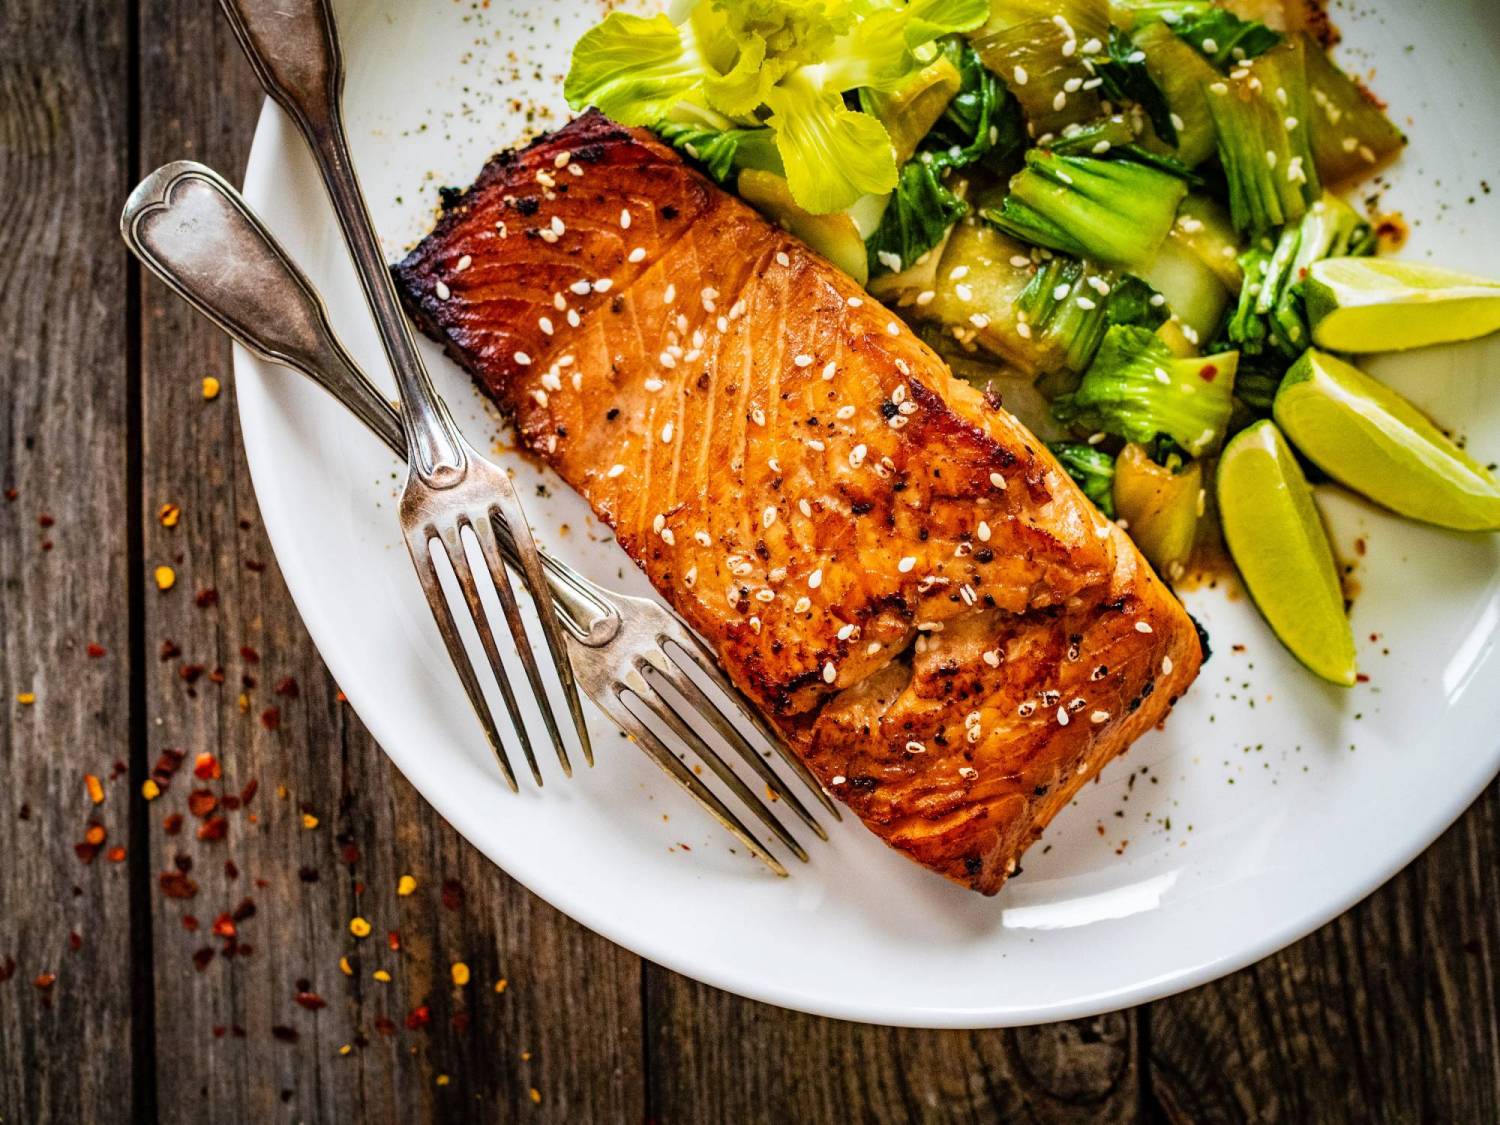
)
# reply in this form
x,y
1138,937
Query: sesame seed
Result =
x,y
442,290
846,632
782,259
829,369
667,359
805,508
658,522
844,413
758,416
737,309
816,445
893,329
463,263
539,397
857,456
624,220
666,433
915,748
906,565
1020,75
803,605
968,773
997,481
1087,304
574,320
964,292
1143,627
522,358
668,537
830,673
1060,102
768,517
803,360
691,577
1062,716
545,324
669,294
637,255
925,298
1166,665
837,779
992,658
703,538
1099,717
815,579
765,595
580,287
854,302
603,285
653,384
614,471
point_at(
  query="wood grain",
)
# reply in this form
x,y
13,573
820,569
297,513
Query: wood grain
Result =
x,y
714,1057
571,1005
63,451
1390,1013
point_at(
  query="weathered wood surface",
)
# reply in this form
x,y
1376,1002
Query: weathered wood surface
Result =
x,y
1388,1014
65,562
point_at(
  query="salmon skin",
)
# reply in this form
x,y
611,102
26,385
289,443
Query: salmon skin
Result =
x,y
887,563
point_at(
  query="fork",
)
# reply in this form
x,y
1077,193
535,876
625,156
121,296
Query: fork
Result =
x,y
194,231
293,47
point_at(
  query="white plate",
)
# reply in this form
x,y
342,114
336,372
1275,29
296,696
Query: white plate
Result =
x,y
1270,804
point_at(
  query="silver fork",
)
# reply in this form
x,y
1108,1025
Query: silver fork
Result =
x,y
293,47
191,229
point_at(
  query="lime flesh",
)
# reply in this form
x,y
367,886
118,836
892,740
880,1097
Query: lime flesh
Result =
x,y
1278,543
1372,440
1375,305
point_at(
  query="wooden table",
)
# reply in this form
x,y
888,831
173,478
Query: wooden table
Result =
x,y
1389,1013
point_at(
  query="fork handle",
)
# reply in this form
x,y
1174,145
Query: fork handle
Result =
x,y
195,232
293,47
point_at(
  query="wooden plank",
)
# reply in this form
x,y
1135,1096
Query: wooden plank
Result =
x,y
64,413
571,1008
713,1057
1391,1013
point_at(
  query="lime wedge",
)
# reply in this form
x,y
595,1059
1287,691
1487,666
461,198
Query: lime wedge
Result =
x,y
1282,552
1377,305
1372,440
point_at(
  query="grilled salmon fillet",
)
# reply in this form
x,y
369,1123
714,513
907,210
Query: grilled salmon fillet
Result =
x,y
891,566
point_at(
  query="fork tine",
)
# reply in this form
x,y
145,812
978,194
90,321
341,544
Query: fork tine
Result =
x,y
673,766
507,507
452,540
688,688
663,710
484,533
693,649
442,614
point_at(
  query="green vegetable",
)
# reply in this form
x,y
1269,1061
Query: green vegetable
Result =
x,y
723,152
1039,49
1181,74
1351,134
1262,118
836,235
1136,389
1272,312
1127,79
1113,211
909,113
1204,227
978,125
784,64
1069,305
1160,506
1194,292
1115,138
1217,33
1092,468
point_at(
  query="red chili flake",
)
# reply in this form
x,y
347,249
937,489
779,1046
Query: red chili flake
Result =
x,y
254,566
220,1030
1208,373
453,894
359,887
172,824
214,828
230,802
285,1034
249,655
46,544
270,718
24,812
216,676
231,869
393,939
224,926
206,767
202,956
419,1018
247,794
117,770
308,874
246,909
167,764
190,923
288,687
341,697
460,1021
385,1025
175,884
169,650
45,520
45,981
191,673
311,1001
183,862
75,940
350,853
1360,677
206,598
248,682
201,802
115,854
86,851
7,969
94,833
96,651
11,494
262,883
